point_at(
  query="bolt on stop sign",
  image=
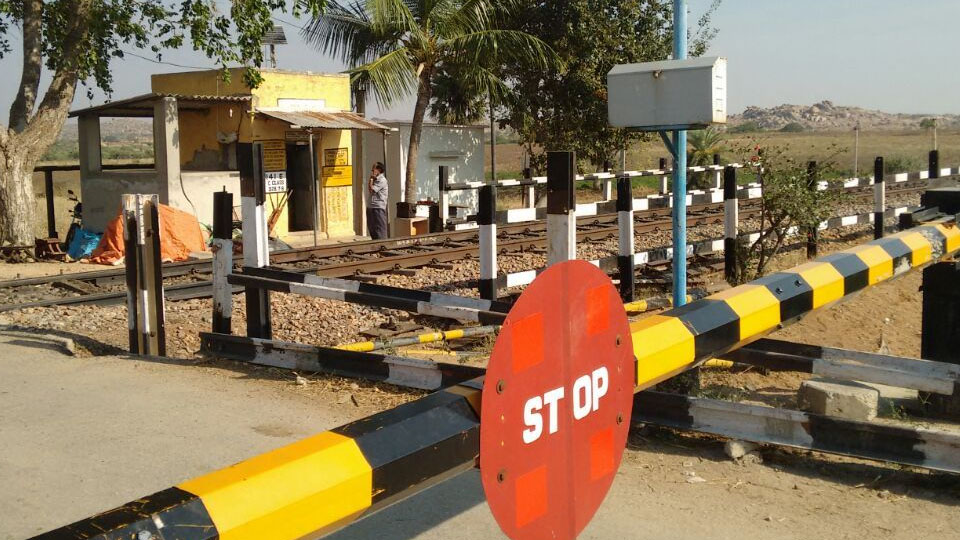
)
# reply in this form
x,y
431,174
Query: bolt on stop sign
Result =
x,y
556,402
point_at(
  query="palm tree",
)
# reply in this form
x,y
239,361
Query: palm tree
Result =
x,y
396,47
704,143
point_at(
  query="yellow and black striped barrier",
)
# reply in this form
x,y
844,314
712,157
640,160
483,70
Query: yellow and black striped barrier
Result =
x,y
326,481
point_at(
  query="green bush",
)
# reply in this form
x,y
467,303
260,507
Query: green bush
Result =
x,y
746,127
792,127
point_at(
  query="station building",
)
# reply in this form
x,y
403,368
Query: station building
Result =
x,y
201,123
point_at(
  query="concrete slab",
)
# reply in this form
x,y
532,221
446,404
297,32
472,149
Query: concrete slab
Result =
x,y
842,399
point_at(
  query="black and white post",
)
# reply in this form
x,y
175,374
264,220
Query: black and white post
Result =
x,y
607,183
717,172
222,246
625,226
530,190
444,182
813,233
664,186
933,170
145,304
256,252
731,222
561,210
879,197
487,221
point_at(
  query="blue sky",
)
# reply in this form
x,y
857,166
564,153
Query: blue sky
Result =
x,y
890,55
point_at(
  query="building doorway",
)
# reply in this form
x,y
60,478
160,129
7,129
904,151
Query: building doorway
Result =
x,y
302,217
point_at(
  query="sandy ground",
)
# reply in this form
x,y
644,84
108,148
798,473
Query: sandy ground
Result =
x,y
110,429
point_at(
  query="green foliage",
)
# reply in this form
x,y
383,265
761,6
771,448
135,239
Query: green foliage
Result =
x,y
702,145
899,164
792,127
746,127
790,202
565,108
82,37
62,151
928,123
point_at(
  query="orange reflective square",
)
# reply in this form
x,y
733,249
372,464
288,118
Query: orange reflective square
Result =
x,y
601,453
527,342
530,490
598,310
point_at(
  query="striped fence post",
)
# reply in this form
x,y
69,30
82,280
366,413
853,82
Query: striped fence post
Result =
x,y
561,210
731,222
145,304
222,261
625,226
717,173
813,233
487,221
933,168
530,191
664,186
256,251
879,197
444,182
607,183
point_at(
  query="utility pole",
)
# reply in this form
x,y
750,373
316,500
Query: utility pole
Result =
x,y
856,148
680,170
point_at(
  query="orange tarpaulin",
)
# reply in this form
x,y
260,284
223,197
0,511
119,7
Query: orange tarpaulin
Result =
x,y
179,235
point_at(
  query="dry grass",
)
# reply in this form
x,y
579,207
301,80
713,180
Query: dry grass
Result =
x,y
910,147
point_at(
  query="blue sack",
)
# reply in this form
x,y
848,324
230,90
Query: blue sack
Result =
x,y
83,244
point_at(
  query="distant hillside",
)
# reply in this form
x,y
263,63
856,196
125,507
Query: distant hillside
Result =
x,y
825,116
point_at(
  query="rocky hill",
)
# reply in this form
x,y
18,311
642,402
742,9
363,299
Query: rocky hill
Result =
x,y
825,116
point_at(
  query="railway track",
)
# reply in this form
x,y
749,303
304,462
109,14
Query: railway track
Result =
x,y
187,280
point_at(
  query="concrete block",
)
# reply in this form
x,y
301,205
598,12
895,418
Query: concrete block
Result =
x,y
843,399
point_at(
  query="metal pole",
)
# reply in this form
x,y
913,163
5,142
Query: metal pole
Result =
x,y
313,188
856,149
680,170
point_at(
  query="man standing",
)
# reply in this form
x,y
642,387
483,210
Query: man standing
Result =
x,y
377,202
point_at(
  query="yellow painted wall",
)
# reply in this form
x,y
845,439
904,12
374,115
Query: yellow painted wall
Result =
x,y
333,88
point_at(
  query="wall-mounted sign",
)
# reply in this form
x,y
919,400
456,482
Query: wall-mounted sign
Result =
x,y
275,181
296,135
333,157
299,104
274,155
337,175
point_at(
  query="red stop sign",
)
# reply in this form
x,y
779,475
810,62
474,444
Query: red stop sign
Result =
x,y
556,404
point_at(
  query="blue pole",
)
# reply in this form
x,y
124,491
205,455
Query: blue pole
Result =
x,y
680,170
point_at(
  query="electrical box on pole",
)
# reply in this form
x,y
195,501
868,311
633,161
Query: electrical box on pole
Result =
x,y
668,95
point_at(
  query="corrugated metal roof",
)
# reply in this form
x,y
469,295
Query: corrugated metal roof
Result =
x,y
142,105
325,120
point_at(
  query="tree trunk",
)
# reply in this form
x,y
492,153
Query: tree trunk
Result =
x,y
424,92
17,198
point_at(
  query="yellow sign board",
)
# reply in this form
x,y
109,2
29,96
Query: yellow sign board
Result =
x,y
340,175
274,155
338,210
335,157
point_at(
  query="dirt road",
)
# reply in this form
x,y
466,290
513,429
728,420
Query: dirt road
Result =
x,y
82,434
